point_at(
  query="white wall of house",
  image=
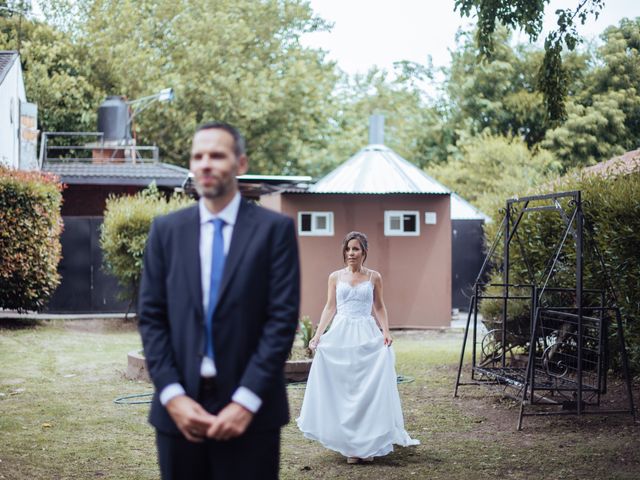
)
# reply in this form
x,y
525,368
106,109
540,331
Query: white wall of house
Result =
x,y
12,92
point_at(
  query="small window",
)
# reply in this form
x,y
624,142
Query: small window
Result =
x,y
315,223
401,223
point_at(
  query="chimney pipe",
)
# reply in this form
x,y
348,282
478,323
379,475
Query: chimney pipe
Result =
x,y
376,129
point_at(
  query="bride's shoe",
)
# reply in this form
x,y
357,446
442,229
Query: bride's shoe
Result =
x,y
353,460
368,459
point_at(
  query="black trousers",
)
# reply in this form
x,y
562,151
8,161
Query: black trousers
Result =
x,y
252,456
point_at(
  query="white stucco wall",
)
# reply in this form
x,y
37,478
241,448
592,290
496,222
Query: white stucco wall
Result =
x,y
12,92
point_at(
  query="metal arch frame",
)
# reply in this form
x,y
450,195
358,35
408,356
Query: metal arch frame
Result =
x,y
507,231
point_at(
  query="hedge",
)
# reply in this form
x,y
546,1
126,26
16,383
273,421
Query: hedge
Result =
x,y
30,250
611,209
127,220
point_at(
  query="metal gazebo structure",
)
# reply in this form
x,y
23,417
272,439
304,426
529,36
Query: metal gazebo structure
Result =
x,y
549,346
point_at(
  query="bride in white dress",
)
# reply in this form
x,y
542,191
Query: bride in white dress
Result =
x,y
351,403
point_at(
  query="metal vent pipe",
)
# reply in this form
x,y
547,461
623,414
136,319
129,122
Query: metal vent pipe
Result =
x,y
376,129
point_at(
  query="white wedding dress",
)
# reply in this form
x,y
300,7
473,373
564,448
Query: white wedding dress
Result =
x,y
351,403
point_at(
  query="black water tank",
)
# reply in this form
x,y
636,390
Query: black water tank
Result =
x,y
113,115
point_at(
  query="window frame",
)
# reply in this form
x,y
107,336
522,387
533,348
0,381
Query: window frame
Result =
x,y
389,232
328,232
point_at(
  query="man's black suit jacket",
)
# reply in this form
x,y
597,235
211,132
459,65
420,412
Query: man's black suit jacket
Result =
x,y
255,319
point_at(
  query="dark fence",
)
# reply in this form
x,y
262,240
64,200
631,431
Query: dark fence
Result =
x,y
85,286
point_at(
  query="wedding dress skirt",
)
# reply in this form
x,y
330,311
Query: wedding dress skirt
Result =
x,y
351,403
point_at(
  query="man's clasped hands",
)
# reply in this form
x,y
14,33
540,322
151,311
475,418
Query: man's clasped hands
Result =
x,y
196,423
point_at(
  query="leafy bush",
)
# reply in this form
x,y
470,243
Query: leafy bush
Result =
x,y
127,220
30,226
300,349
611,209
305,329
492,167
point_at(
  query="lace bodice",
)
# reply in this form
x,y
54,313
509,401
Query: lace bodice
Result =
x,y
354,301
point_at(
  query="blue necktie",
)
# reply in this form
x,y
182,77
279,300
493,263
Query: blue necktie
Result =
x,y
217,267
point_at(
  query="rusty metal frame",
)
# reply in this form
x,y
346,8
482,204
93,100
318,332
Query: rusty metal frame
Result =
x,y
579,391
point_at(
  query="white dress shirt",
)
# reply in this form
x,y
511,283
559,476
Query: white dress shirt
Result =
x,y
229,214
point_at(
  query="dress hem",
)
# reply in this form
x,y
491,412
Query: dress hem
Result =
x,y
380,452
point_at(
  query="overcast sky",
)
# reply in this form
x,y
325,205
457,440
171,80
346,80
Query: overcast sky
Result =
x,y
380,32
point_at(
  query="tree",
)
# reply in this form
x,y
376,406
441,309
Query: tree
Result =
x,y
250,70
528,15
590,134
398,96
493,167
57,74
499,96
617,72
604,114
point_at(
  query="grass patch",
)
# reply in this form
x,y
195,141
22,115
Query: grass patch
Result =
x,y
58,419
57,387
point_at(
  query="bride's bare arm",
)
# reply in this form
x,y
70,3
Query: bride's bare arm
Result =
x,y
379,308
328,311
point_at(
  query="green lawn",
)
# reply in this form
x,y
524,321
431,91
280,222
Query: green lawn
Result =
x,y
58,420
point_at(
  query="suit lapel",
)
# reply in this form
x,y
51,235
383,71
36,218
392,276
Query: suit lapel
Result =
x,y
191,252
242,231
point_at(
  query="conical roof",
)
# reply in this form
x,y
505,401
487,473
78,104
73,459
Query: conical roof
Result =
x,y
376,169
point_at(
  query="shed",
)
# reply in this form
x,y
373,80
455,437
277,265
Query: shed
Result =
x,y
406,216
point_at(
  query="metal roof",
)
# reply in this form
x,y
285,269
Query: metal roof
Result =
x,y
376,169
77,173
463,210
275,178
7,57
624,164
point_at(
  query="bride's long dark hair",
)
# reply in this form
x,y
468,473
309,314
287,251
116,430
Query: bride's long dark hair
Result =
x,y
362,240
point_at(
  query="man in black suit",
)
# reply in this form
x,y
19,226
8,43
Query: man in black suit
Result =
x,y
218,310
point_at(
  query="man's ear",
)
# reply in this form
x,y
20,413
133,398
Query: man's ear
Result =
x,y
243,164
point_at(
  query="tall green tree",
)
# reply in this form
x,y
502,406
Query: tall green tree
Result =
x,y
235,60
499,96
396,95
494,167
590,134
528,15
58,75
604,116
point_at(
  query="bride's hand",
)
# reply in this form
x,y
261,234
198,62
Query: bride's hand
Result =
x,y
387,339
313,343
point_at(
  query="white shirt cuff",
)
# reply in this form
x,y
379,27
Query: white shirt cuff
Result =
x,y
247,399
170,391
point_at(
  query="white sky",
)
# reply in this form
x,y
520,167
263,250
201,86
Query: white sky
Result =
x,y
380,32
